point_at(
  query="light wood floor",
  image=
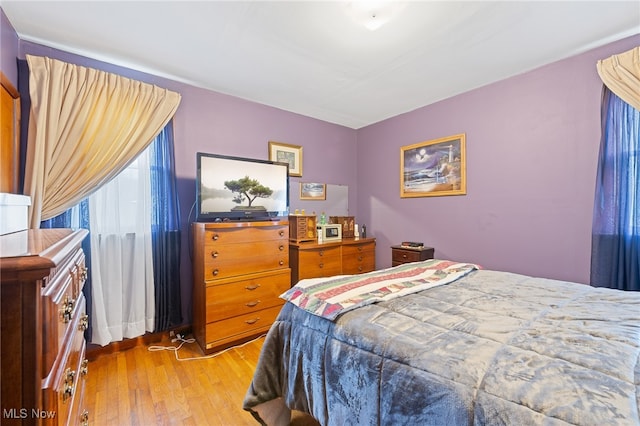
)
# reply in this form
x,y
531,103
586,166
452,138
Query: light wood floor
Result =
x,y
141,387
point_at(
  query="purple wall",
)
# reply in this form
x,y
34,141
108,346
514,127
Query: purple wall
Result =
x,y
8,49
532,148
532,144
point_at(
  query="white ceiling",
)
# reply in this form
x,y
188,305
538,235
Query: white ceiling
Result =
x,y
314,59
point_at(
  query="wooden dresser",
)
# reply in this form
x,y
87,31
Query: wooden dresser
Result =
x,y
239,271
43,322
348,256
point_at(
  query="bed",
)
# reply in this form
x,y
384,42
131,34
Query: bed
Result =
x,y
445,343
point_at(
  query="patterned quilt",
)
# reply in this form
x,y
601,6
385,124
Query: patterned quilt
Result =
x,y
490,348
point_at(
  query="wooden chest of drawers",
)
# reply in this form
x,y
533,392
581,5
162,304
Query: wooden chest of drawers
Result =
x,y
348,256
239,271
401,254
43,322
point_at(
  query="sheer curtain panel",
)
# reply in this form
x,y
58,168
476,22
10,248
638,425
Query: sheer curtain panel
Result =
x,y
85,126
122,284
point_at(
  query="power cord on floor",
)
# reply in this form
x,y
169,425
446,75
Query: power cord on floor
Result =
x,y
180,338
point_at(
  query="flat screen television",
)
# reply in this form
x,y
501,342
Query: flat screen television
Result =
x,y
235,188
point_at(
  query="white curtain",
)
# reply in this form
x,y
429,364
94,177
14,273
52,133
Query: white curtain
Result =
x,y
121,255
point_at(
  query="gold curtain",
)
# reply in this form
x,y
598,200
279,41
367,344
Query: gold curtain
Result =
x,y
621,74
85,127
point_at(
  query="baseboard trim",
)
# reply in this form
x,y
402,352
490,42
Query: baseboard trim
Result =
x,y
94,351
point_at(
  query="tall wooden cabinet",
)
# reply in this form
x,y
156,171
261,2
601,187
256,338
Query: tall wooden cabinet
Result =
x,y
239,271
347,256
43,320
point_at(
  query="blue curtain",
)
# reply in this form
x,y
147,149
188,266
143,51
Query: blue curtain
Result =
x,y
165,231
615,249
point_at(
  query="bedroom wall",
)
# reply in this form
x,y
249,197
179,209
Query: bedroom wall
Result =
x,y
8,50
532,146
212,122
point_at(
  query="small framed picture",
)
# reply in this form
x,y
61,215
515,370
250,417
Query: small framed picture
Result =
x,y
313,191
434,168
287,153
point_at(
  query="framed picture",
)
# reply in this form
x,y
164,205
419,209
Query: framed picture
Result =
x,y
286,153
434,168
313,191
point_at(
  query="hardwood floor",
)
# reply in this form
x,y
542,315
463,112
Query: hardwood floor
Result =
x,y
139,386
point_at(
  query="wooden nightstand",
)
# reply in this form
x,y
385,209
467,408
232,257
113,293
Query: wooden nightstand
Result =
x,y
401,254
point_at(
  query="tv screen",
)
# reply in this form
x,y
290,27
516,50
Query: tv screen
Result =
x,y
236,188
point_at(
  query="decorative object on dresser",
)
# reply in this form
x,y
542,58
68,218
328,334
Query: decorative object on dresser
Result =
x,y
43,322
302,228
406,253
347,256
348,225
239,271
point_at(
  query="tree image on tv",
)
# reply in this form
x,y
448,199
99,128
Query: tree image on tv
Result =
x,y
247,189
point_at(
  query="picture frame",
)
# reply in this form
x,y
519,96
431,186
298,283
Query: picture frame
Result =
x,y
287,153
313,191
434,168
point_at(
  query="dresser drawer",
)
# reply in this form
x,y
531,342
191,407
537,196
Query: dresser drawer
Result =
x,y
320,262
359,263
229,260
59,308
251,294
215,237
240,326
63,388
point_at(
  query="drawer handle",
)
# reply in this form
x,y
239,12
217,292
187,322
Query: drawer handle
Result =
x,y
68,384
84,367
84,273
281,247
214,254
321,253
215,272
252,321
281,262
359,258
281,233
321,265
84,323
252,303
67,309
252,287
404,256
84,418
359,248
215,237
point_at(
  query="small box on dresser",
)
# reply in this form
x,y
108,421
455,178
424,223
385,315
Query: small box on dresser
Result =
x,y
239,270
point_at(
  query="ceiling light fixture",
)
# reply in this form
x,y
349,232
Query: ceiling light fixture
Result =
x,y
373,14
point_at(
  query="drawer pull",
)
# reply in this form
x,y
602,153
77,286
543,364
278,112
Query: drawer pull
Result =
x,y
67,309
252,321
215,237
84,273
281,262
252,287
321,265
68,384
84,323
84,367
404,256
84,418
281,233
359,248
214,254
281,247
321,253
215,272
359,258
252,303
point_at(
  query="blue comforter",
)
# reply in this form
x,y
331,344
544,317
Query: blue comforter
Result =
x,y
491,348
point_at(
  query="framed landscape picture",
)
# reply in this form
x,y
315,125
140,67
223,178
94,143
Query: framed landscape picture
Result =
x,y
434,168
313,191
